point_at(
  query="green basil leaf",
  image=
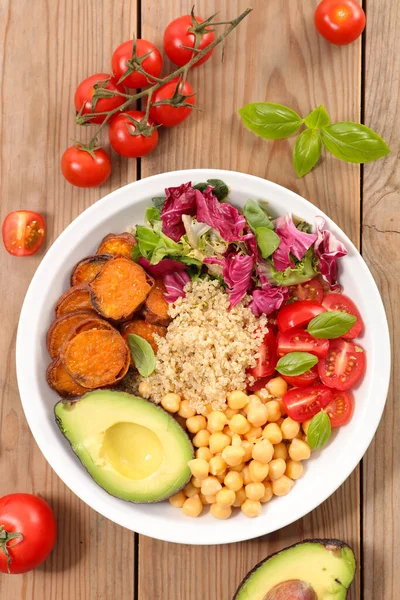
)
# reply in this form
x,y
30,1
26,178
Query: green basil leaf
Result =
x,y
159,202
306,151
331,324
221,190
267,240
270,121
319,430
353,142
296,363
142,354
256,216
317,118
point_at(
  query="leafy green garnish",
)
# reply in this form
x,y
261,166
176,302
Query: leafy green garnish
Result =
x,y
304,270
220,191
306,151
158,202
353,142
331,324
267,240
270,121
142,354
317,118
319,430
255,216
296,363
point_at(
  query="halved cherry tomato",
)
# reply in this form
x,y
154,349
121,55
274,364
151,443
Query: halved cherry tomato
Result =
x,y
23,232
343,366
310,290
299,340
84,94
340,21
344,304
267,359
259,384
121,63
340,408
303,403
178,39
306,378
298,313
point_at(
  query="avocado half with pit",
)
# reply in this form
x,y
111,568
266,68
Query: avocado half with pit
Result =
x,y
311,570
131,447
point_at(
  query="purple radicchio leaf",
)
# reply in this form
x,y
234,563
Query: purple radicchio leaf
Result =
x,y
175,283
224,217
252,246
236,271
179,201
269,298
293,242
164,267
328,249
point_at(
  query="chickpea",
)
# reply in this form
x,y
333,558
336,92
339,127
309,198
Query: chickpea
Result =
x,y
233,481
230,412
268,492
171,402
220,512
238,468
248,449
280,451
225,497
144,389
237,399
282,486
226,430
196,424
190,490
233,455
202,438
257,415
210,499
280,421
253,434
240,498
199,468
246,476
277,468
236,440
255,490
251,508
221,477
204,453
193,506
239,424
258,471
299,450
274,410
218,441
305,425
185,410
203,499
178,500
196,482
216,420
290,428
217,465
277,387
263,394
263,451
294,469
210,486
272,433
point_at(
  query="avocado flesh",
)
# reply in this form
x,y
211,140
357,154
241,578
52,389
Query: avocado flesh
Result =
x,y
131,447
328,566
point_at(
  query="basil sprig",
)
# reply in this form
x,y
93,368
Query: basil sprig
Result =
x,y
331,324
142,354
255,216
296,363
267,240
348,141
319,430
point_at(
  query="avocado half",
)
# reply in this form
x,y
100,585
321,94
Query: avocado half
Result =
x,y
131,447
310,570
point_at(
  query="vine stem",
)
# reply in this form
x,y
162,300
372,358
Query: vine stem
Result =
x,y
197,56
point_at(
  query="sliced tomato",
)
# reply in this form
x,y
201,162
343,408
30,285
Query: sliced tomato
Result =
x,y
340,408
299,340
303,403
345,304
267,359
343,366
306,378
23,232
259,384
309,290
298,313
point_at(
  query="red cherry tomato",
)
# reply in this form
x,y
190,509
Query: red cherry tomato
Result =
x,y
84,94
259,384
340,21
152,64
340,408
85,169
303,403
267,359
167,114
33,518
178,34
310,376
343,366
344,304
299,340
23,232
298,313
310,290
125,139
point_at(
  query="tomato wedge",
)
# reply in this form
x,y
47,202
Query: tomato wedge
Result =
x,y
345,304
309,290
23,232
340,408
299,340
304,379
303,403
298,313
267,359
259,384
343,366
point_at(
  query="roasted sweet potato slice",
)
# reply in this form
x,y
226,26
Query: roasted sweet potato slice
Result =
x,y
60,328
118,244
156,307
145,330
120,288
96,357
61,381
87,268
76,298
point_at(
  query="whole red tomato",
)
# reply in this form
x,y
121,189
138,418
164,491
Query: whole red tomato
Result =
x,y
23,232
28,532
172,114
340,21
179,33
132,137
85,169
84,95
122,63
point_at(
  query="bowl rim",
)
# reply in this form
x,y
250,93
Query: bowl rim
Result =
x,y
237,534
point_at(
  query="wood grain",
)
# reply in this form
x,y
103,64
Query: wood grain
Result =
x,y
274,55
46,48
381,250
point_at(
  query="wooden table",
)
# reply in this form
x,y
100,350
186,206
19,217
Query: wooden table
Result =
x,y
46,49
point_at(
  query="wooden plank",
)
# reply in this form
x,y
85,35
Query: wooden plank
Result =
x,y
46,48
274,55
381,250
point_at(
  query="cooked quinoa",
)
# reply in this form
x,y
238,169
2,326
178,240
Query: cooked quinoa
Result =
x,y
208,347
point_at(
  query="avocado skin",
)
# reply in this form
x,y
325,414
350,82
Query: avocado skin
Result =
x,y
337,544
160,408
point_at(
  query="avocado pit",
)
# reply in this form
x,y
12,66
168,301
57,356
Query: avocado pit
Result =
x,y
294,589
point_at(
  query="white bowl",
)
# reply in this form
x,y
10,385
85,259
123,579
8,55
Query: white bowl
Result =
x,y
325,471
